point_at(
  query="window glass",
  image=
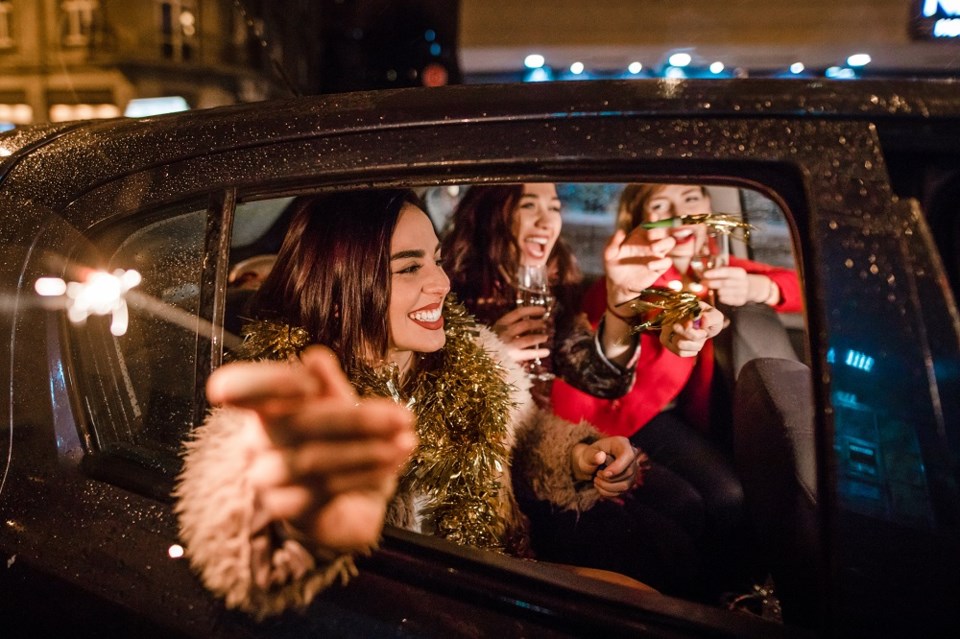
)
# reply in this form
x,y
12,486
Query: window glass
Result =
x,y
154,364
6,24
78,19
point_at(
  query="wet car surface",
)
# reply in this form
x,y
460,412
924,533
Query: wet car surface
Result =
x,y
94,421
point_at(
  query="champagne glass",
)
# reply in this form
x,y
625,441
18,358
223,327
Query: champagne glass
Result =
x,y
707,257
533,289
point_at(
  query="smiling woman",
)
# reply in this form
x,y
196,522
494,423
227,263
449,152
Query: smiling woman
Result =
x,y
294,473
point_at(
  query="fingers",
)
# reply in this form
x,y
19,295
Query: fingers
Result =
x,y
684,340
250,383
537,325
325,368
311,460
320,419
527,354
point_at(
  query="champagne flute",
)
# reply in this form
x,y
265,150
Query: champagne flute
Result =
x,y
707,257
533,289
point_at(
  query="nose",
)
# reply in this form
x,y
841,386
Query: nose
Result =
x,y
438,283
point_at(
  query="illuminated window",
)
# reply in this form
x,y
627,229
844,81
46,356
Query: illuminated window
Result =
x,y
66,112
178,29
6,24
16,114
78,20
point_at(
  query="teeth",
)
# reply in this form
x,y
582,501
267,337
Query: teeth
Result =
x,y
538,240
426,316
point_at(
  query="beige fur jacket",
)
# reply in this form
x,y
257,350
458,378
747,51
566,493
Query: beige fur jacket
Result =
x,y
264,568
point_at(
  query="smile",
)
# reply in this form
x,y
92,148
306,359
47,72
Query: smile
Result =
x,y
429,317
537,245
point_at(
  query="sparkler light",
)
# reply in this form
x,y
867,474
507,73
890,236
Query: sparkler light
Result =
x,y
101,294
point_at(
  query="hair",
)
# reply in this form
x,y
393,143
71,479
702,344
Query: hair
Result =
x,y
633,201
480,252
332,274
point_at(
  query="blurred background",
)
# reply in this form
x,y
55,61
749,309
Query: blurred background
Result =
x,y
76,59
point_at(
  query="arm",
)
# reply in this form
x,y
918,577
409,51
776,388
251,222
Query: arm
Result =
x,y
287,480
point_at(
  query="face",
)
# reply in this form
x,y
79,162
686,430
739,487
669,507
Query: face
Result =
x,y
418,287
675,200
536,223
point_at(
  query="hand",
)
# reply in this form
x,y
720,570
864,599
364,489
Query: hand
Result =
x,y
634,262
623,465
731,284
522,330
320,457
687,339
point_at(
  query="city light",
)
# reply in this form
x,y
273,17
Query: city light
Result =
x,y
859,60
534,61
797,68
145,107
680,59
716,67
840,73
635,68
576,68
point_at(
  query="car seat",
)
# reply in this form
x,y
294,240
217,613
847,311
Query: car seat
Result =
x,y
775,457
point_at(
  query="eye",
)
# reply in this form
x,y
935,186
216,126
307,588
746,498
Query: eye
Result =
x,y
412,268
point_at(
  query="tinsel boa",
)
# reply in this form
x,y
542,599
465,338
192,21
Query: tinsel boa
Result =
x,y
462,404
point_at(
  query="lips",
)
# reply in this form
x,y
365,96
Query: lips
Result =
x,y
683,236
429,317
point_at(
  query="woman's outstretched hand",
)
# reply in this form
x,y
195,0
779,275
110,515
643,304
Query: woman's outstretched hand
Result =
x,y
320,457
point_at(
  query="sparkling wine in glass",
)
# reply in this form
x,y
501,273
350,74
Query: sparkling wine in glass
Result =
x,y
533,289
703,260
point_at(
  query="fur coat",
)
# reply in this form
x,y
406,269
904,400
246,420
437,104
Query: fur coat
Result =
x,y
266,567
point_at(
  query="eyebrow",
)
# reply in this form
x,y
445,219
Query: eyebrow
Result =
x,y
552,197
402,255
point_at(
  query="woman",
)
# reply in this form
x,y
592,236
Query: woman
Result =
x,y
496,228
258,502
670,414
740,282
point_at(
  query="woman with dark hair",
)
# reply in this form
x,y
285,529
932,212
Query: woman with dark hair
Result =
x,y
496,228
670,417
493,230
271,508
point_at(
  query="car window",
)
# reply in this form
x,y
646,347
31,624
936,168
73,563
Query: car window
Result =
x,y
140,387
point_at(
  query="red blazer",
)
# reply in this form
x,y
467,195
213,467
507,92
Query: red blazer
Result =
x,y
662,377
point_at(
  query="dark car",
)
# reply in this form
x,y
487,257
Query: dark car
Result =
x,y
850,455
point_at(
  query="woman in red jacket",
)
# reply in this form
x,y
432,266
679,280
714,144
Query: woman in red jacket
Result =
x,y
668,415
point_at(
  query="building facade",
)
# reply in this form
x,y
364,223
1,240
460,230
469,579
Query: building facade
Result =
x,y
72,59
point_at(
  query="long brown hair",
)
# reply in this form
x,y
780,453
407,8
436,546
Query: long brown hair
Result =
x,y
332,274
480,253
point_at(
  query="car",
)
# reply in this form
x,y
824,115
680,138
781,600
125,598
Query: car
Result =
x,y
853,452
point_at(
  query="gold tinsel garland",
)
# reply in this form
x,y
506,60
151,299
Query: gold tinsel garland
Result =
x,y
659,306
462,406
